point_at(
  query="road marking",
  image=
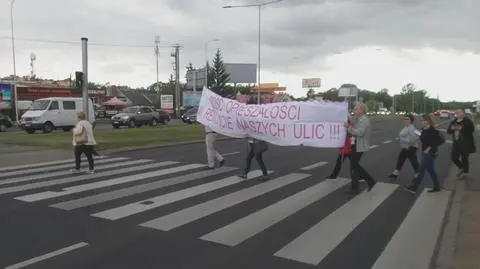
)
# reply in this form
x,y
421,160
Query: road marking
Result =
x,y
67,172
373,146
387,142
244,228
417,236
33,165
51,168
154,202
316,243
105,183
83,177
112,195
202,210
313,166
231,153
47,256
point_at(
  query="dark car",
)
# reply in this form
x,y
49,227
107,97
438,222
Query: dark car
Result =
x,y
5,122
190,116
163,116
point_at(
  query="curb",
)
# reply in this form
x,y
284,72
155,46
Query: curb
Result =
x,y
446,246
130,149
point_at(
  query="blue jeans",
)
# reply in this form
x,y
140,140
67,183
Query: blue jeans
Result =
x,y
427,164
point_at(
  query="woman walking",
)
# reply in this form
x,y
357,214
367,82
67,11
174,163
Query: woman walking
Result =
x,y
344,153
83,142
409,142
431,139
256,149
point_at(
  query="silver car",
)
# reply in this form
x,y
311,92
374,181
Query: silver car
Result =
x,y
136,116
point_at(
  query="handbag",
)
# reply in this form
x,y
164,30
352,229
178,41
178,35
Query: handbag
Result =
x,y
260,147
81,138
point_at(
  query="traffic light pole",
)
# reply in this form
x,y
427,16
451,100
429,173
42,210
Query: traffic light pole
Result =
x,y
85,77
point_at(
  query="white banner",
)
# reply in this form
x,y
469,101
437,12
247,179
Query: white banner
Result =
x,y
314,124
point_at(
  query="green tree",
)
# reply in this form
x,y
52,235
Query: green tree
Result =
x,y
372,105
220,76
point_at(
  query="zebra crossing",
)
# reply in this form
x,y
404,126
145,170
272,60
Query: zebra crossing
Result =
x,y
53,185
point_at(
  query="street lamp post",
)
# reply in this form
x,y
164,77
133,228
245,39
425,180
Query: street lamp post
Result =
x,y
206,61
14,61
259,6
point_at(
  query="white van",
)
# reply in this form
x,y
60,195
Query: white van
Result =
x,y
52,113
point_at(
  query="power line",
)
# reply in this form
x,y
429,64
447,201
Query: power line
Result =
x,y
79,43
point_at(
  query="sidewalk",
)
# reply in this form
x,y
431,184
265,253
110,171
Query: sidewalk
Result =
x,y
467,253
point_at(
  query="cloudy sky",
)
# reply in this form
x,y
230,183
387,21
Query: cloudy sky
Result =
x,y
372,43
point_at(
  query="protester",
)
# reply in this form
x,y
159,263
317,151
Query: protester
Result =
x,y
361,131
83,142
409,143
431,139
462,129
256,149
345,152
212,154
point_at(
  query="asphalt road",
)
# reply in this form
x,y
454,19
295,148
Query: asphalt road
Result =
x,y
180,216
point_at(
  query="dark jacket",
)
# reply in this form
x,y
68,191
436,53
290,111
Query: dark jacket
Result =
x,y
465,140
432,138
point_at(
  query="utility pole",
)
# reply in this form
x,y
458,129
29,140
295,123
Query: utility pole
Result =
x,y
85,77
413,102
194,82
157,86
176,55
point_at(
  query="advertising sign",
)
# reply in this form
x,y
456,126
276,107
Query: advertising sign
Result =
x,y
167,101
191,99
5,95
308,83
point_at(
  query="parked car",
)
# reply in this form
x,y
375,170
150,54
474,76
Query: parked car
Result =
x,y
163,116
5,122
444,114
48,114
136,116
190,116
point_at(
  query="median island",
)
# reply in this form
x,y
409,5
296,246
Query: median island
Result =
x,y
111,138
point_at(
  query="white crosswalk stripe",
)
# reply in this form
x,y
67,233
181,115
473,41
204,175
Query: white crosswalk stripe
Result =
x,y
127,188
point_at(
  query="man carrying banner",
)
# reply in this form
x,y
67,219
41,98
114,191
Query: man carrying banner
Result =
x,y
212,154
362,132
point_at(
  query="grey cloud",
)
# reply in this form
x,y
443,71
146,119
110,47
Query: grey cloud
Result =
x,y
307,29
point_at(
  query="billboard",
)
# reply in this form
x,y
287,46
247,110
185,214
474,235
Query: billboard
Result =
x,y
191,98
347,92
167,101
5,95
308,83
242,73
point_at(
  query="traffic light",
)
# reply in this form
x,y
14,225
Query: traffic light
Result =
x,y
79,79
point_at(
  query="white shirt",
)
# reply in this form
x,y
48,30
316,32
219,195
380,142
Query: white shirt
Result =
x,y
88,128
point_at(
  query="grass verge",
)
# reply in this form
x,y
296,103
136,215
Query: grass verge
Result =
x,y
111,139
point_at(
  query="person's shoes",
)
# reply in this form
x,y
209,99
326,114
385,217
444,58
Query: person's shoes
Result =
x,y
392,176
434,190
221,163
460,173
331,177
209,168
90,171
411,189
263,178
75,171
242,176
